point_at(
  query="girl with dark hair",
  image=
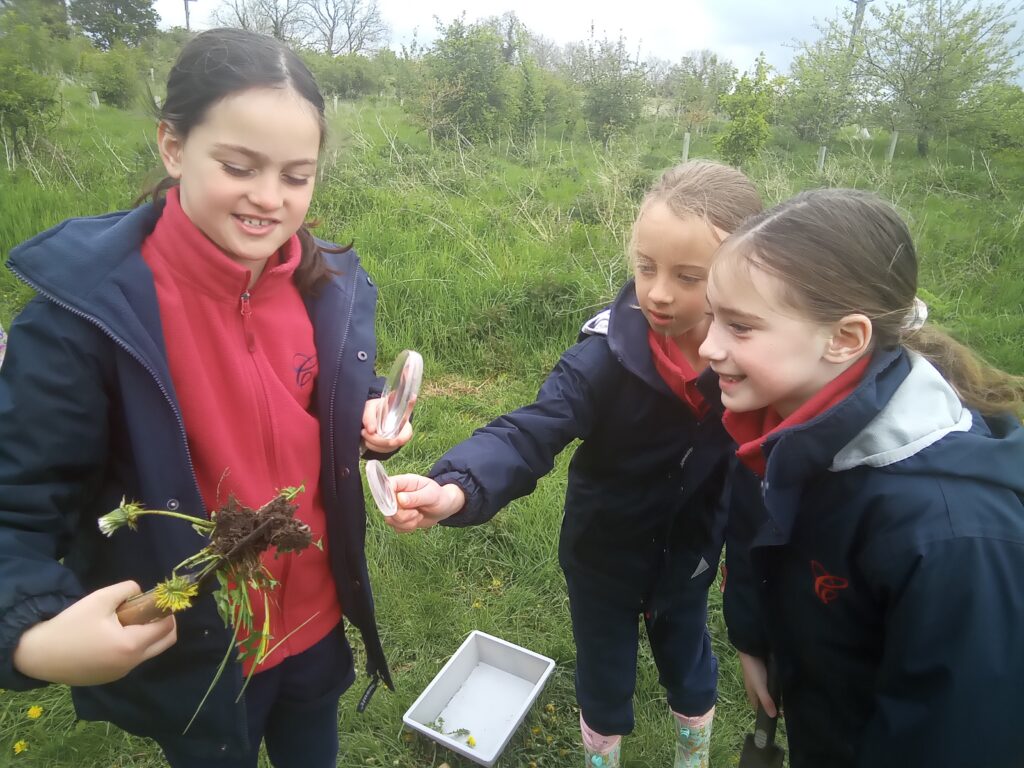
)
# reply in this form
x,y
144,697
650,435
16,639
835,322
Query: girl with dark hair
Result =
x,y
879,507
201,346
642,531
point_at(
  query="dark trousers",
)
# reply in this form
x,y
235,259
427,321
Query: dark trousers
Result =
x,y
293,707
607,636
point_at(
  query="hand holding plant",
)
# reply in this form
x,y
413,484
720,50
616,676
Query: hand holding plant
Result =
x,y
238,537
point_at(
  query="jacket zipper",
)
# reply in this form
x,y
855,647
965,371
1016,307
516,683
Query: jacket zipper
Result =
x,y
138,358
334,386
245,307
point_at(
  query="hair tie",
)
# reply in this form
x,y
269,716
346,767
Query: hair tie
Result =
x,y
915,316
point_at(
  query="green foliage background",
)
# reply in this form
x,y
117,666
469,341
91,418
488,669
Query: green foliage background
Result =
x,y
490,253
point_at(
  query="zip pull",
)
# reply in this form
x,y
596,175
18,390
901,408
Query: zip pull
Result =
x,y
371,689
246,309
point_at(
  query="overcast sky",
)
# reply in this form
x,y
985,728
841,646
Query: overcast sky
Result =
x,y
736,29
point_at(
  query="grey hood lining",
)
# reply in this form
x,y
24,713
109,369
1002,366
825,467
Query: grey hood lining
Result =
x,y
923,410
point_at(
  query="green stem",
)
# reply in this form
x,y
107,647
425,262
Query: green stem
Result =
x,y
180,515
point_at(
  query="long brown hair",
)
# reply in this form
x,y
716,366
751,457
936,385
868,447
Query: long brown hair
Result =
x,y
717,193
219,62
838,252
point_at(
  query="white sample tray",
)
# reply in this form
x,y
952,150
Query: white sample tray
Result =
x,y
486,688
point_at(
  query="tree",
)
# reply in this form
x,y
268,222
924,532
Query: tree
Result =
x,y
544,51
821,94
111,21
750,107
342,26
278,18
467,85
928,59
998,117
114,75
696,86
614,85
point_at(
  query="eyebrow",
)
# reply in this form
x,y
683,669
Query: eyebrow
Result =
x,y
738,315
695,267
259,156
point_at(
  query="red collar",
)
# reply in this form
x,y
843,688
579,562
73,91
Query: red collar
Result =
x,y
191,255
751,429
676,371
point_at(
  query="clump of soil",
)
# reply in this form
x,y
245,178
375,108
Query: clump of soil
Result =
x,y
241,534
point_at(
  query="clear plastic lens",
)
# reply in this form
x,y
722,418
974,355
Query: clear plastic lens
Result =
x,y
380,488
400,391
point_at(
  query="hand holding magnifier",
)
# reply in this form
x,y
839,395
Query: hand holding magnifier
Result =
x,y
397,401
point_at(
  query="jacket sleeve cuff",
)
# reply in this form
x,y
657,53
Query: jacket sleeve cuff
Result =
x,y
15,622
473,513
749,644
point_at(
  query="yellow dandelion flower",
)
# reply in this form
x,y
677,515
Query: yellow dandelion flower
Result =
x,y
175,593
471,741
20,746
550,709
536,730
34,712
477,604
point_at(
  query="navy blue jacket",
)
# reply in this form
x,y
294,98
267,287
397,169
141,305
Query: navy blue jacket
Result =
x,y
88,414
644,485
886,572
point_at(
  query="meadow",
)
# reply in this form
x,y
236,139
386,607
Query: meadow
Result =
x,y
489,258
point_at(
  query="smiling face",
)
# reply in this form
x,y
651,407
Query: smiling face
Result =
x,y
247,170
764,352
671,259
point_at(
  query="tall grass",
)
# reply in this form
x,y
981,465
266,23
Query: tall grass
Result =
x,y
488,260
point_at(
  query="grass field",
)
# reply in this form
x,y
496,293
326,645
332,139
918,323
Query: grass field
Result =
x,y
488,261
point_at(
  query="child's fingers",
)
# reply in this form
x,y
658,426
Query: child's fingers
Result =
x,y
155,638
115,594
370,417
404,521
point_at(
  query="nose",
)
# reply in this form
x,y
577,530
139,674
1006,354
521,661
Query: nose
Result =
x,y
659,291
266,193
710,349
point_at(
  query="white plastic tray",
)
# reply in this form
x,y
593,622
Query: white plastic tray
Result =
x,y
486,688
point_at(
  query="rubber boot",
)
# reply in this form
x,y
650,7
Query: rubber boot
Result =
x,y
599,750
693,739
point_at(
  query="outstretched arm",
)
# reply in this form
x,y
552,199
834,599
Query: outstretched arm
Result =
x,y
422,503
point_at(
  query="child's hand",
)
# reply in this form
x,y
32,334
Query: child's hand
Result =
x,y
375,442
755,680
422,502
85,644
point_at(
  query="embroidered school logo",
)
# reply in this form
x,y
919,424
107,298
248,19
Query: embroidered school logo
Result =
x,y
305,368
826,586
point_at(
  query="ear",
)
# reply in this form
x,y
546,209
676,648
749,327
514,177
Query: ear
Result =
x,y
170,147
851,338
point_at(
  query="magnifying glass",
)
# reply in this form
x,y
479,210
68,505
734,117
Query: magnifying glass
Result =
x,y
401,387
380,488
400,390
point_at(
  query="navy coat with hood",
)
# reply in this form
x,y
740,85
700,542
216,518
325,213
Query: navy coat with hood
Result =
x,y
886,572
642,501
88,415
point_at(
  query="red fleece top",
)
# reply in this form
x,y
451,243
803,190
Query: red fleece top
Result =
x,y
677,372
244,365
750,429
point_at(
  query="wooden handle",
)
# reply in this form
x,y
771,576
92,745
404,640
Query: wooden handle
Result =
x,y
141,609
